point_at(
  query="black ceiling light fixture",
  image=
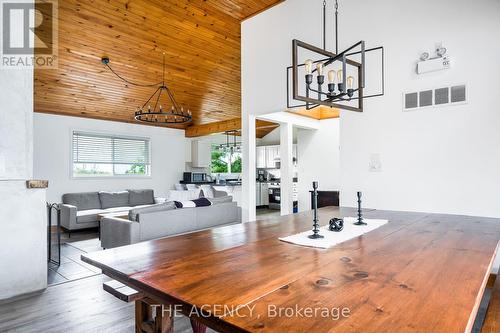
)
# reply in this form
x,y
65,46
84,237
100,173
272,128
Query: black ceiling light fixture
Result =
x,y
234,147
161,107
345,73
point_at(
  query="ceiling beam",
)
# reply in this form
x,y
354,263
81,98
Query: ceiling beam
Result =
x,y
263,128
213,128
318,113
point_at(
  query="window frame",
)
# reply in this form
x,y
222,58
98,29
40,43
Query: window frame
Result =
x,y
214,145
113,135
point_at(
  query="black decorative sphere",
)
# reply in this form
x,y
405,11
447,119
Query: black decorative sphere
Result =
x,y
336,224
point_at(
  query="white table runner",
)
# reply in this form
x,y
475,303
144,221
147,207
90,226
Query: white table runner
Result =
x,y
332,238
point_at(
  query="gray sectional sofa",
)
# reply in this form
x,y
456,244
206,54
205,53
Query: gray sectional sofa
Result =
x,y
166,220
80,210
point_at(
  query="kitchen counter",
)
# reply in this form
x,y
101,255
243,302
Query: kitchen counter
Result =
x,y
295,180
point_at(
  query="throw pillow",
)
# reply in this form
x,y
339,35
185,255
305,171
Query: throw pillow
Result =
x,y
208,191
201,202
221,200
141,197
134,214
191,187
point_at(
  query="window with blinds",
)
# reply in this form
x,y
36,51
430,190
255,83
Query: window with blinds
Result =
x,y
97,155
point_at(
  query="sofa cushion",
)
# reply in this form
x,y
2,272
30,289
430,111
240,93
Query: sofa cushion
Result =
x,y
83,200
183,195
113,199
88,216
221,200
134,214
141,197
118,209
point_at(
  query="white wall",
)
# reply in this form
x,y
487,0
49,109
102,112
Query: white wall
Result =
x,y
318,160
23,238
436,160
52,155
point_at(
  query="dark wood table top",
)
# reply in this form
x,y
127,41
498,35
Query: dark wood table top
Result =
x,y
418,273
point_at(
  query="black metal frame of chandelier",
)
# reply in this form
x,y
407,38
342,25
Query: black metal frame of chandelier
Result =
x,y
335,97
332,57
186,118
289,74
177,111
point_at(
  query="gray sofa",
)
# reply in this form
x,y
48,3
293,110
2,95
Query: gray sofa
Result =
x,y
165,220
80,210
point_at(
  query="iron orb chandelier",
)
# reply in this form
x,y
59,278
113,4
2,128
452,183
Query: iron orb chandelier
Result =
x,y
161,107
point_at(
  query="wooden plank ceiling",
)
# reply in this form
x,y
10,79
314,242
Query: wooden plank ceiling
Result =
x,y
201,39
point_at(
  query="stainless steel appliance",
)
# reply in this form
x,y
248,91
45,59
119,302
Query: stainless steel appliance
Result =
x,y
274,196
194,177
262,194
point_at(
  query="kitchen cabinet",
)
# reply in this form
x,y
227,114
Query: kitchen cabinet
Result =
x,y
272,156
267,156
201,156
261,157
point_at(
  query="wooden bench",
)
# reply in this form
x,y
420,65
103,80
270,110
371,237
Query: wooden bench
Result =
x,y
145,320
492,321
121,291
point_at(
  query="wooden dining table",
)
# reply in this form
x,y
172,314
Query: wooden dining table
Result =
x,y
420,272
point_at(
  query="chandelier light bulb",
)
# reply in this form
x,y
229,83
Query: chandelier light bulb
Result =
x,y
309,66
350,82
331,76
340,75
319,68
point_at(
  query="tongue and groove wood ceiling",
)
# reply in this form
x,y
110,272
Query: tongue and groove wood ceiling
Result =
x,y
201,40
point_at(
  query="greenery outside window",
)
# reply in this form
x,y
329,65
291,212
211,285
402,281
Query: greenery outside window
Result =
x,y
99,155
225,160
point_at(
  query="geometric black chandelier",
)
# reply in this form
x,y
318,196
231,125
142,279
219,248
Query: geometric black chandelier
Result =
x,y
344,83
156,109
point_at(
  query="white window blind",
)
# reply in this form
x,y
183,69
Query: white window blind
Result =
x,y
98,154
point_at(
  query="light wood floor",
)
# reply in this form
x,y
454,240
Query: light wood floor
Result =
x,y
80,306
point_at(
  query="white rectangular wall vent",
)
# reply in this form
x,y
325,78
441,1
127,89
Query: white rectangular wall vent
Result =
x,y
436,97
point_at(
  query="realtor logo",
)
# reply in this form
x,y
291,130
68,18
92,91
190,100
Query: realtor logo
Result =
x,y
29,33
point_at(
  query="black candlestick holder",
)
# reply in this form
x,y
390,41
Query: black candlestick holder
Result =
x,y
315,230
360,214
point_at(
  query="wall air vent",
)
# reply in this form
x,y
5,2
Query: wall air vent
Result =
x,y
437,97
